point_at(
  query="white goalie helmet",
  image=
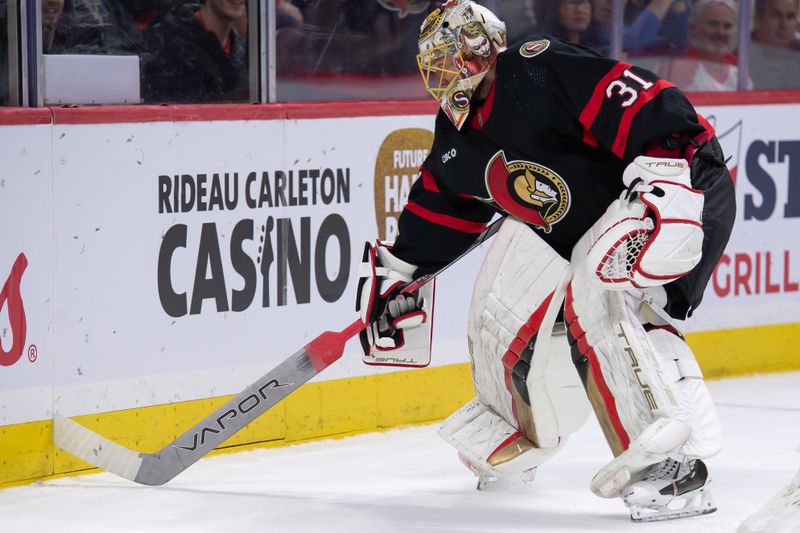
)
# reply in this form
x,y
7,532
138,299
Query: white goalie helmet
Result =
x,y
457,45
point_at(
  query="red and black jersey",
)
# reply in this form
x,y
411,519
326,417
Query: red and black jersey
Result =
x,y
548,146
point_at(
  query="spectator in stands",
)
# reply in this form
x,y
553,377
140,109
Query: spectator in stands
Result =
x,y
95,27
366,37
145,13
290,36
775,23
196,55
521,16
51,15
710,64
572,19
774,48
288,14
650,27
354,48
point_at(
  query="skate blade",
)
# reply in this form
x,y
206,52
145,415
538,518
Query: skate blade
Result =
x,y
698,505
518,483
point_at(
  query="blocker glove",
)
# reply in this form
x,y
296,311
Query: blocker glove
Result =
x,y
398,326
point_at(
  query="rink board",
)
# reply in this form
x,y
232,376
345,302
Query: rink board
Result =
x,y
203,245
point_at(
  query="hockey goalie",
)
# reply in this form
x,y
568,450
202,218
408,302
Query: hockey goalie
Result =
x,y
618,205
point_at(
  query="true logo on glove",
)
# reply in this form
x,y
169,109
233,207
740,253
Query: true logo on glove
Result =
x,y
674,163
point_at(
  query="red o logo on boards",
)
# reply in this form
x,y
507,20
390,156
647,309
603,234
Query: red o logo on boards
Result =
x,y
11,297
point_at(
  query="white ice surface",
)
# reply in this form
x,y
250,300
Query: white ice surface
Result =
x,y
410,481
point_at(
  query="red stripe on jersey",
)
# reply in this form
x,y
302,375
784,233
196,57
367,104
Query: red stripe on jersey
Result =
x,y
621,140
428,182
707,125
700,139
458,224
483,111
589,138
591,110
654,149
587,350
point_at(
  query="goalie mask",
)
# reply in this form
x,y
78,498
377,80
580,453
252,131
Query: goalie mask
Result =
x,y
457,45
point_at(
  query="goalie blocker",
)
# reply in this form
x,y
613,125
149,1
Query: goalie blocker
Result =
x,y
399,323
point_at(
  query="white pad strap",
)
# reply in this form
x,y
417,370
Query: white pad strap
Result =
x,y
688,369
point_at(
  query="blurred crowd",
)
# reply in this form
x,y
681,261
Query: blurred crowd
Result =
x,y
196,51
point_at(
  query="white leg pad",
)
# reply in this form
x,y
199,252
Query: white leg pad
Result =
x,y
520,371
626,382
646,386
558,401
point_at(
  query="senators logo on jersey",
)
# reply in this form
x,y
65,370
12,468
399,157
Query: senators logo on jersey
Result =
x,y
533,193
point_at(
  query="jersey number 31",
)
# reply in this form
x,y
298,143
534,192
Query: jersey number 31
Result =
x,y
629,93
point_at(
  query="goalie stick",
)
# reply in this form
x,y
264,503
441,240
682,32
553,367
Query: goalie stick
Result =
x,y
159,467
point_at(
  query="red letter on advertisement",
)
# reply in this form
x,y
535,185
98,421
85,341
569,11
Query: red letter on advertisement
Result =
x,y
722,290
771,288
11,296
788,286
743,268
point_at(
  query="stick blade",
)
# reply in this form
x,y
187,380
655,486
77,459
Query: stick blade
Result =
x,y
95,449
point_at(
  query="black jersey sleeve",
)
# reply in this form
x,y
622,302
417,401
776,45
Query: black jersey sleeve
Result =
x,y
437,225
619,107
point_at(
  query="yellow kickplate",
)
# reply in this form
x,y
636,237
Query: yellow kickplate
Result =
x,y
316,410
349,406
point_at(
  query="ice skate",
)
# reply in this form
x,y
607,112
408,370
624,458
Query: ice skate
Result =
x,y
781,514
670,489
511,483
